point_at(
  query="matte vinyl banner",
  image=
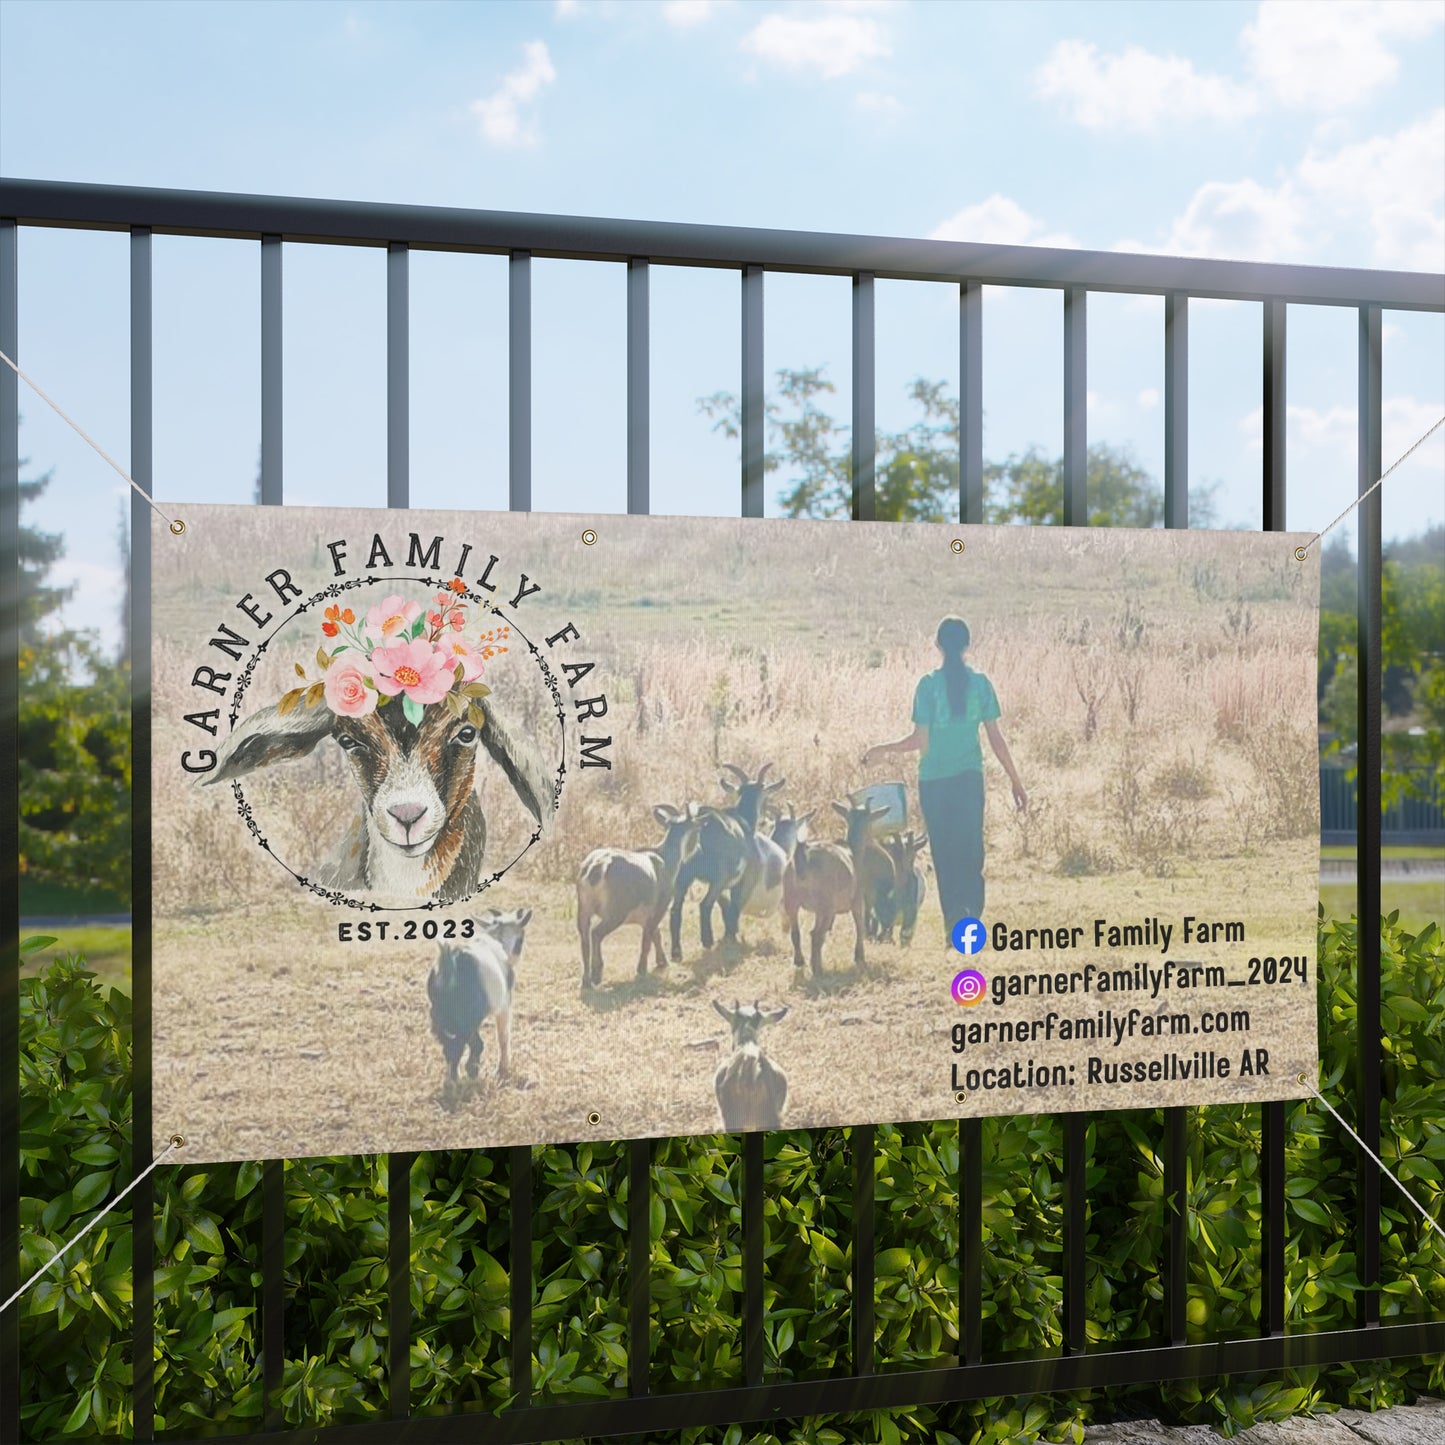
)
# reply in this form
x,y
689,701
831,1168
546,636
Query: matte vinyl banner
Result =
x,y
479,829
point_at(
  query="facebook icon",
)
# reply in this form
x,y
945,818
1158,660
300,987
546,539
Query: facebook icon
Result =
x,y
969,935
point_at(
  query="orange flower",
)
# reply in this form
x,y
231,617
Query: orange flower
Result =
x,y
330,629
457,585
338,614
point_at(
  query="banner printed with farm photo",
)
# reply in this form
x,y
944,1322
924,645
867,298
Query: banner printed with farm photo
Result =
x,y
478,829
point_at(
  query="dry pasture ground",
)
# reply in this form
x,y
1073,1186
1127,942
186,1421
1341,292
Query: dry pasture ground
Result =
x,y
260,1054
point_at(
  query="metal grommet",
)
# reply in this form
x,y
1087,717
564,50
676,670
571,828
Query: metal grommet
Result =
x,y
1303,1078
594,1117
588,537
178,1141
1301,554
956,546
178,527
961,1097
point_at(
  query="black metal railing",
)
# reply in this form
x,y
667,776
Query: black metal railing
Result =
x,y
275,222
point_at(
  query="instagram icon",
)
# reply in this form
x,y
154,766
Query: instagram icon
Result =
x,y
969,987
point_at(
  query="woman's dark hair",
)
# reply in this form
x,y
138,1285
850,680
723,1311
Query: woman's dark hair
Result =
x,y
953,639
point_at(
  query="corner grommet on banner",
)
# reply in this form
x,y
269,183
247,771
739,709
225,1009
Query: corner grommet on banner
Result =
x,y
594,1118
956,546
589,537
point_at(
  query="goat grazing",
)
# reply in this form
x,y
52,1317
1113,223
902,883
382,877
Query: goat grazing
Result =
x,y
617,886
471,982
723,855
751,1089
827,879
422,832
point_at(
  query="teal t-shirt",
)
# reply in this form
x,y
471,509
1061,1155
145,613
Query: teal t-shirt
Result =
x,y
953,745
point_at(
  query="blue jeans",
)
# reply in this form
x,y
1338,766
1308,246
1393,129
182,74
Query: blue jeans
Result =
x,y
953,810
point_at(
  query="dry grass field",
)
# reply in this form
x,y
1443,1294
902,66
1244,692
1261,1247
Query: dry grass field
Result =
x,y
1157,693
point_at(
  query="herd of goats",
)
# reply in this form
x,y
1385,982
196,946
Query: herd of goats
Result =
x,y
746,871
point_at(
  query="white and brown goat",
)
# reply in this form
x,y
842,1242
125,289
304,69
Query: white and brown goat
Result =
x,y
617,886
751,1089
422,831
826,879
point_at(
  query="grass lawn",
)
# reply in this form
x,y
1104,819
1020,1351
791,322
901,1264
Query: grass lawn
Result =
x,y
1419,903
43,898
106,951
1392,850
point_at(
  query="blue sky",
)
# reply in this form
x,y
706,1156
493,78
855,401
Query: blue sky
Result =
x,y
1289,132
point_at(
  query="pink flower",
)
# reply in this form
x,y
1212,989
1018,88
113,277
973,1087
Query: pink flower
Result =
x,y
458,618
414,667
433,619
346,691
457,650
391,616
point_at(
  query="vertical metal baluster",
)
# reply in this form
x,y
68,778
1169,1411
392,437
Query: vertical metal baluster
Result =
x,y
1275,396
863,1142
1076,406
271,356
865,502
9,831
398,379
519,381
1075,1231
1176,515
1367,847
398,1284
273,1171
143,1322
970,1241
521,1267
754,418
754,1225
639,1267
639,493
398,1166
1272,1122
970,402
1176,410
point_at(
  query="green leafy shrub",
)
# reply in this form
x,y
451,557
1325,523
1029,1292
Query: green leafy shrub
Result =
x,y
75,1324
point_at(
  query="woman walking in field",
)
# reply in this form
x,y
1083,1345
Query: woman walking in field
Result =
x,y
948,707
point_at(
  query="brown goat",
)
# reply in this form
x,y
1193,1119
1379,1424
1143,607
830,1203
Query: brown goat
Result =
x,y
827,879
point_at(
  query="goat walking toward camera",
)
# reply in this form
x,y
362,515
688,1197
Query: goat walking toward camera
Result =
x,y
827,879
751,1089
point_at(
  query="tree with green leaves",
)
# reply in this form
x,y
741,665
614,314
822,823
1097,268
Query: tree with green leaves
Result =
x,y
74,735
916,469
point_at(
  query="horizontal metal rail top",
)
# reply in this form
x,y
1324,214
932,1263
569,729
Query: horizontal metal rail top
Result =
x,y
362,223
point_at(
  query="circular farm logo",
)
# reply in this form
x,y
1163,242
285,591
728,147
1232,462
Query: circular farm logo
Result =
x,y
398,675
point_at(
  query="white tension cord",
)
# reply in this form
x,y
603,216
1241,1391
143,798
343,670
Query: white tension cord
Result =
x,y
1302,552
160,1159
176,526
1384,1168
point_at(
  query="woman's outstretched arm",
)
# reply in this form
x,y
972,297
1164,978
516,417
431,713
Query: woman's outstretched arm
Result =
x,y
915,742
1001,752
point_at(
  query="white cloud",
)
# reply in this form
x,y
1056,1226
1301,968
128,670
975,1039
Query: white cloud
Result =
x,y
1331,431
500,114
1321,56
831,43
1148,398
1391,186
999,221
566,9
1397,182
684,14
1135,90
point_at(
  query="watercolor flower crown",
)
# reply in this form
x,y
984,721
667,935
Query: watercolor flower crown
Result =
x,y
402,650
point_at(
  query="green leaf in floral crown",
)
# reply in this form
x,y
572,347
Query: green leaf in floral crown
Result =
x,y
413,710
323,658
382,698
418,627
459,672
289,701
315,693
475,689
455,705
476,716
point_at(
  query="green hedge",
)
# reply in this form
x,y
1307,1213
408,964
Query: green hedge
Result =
x,y
76,1140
